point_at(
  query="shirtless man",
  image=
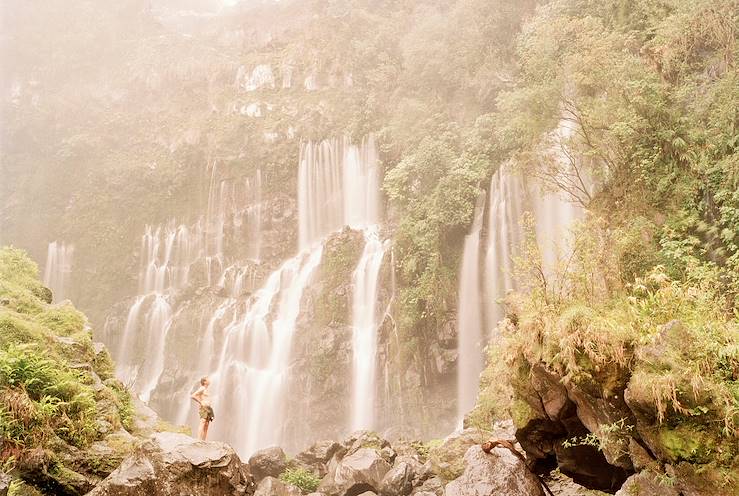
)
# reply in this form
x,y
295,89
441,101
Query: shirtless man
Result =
x,y
202,398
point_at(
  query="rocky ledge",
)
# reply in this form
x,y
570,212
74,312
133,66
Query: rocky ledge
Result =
x,y
363,464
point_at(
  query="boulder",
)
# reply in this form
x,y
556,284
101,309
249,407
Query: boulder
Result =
x,y
432,486
499,473
269,462
171,464
645,484
399,480
447,458
356,473
269,486
317,457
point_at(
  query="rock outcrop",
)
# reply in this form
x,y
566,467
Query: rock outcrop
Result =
x,y
269,462
499,473
361,471
172,464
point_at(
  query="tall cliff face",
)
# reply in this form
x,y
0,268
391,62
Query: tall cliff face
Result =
x,y
165,257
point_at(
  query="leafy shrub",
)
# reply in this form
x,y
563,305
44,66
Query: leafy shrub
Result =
x,y
306,480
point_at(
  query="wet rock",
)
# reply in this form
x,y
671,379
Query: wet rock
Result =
x,y
145,420
269,462
645,484
551,413
433,485
269,486
356,473
447,459
499,473
399,480
317,457
172,464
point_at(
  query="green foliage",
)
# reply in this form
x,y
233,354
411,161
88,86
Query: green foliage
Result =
x,y
306,480
47,402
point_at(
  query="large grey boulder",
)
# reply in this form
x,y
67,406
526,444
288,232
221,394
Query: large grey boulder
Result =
x,y
356,473
317,457
269,486
269,462
407,473
172,464
499,473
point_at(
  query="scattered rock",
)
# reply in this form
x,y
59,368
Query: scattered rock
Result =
x,y
499,473
269,462
399,480
433,485
269,486
356,473
447,459
317,457
177,465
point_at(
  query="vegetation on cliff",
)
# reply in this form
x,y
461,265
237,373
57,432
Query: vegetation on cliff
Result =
x,y
58,397
641,323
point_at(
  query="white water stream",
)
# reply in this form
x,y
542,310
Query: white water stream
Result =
x,y
511,196
58,269
364,331
245,333
469,318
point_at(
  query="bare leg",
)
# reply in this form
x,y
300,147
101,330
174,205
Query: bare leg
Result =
x,y
206,424
202,429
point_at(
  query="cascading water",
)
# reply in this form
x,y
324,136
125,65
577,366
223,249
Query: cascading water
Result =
x,y
338,185
58,269
254,360
174,257
364,331
469,319
506,207
511,196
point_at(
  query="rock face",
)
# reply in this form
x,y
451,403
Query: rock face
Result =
x,y
499,473
551,413
269,462
177,465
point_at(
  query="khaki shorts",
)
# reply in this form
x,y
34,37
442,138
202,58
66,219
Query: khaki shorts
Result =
x,y
206,413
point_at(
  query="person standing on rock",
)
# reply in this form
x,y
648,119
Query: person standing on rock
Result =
x,y
202,397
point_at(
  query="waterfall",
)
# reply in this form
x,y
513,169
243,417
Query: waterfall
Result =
x,y
504,237
58,268
254,360
176,256
364,331
202,279
338,185
510,197
469,318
